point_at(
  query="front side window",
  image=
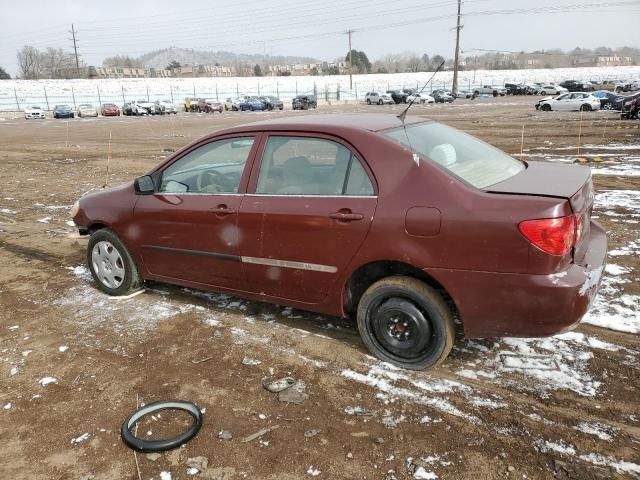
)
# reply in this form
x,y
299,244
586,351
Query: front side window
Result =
x,y
212,168
310,166
477,163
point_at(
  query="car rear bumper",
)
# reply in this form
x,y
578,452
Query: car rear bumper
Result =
x,y
494,304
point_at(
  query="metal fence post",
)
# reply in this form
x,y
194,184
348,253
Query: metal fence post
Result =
x,y
171,93
46,98
217,99
148,94
277,89
99,99
296,87
258,87
73,95
194,89
237,91
123,100
16,95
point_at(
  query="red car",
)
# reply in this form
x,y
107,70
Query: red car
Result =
x,y
110,110
212,106
406,227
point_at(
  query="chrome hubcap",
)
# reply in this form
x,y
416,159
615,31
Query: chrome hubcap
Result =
x,y
107,264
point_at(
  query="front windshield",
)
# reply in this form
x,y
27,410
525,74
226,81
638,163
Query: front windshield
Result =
x,y
477,163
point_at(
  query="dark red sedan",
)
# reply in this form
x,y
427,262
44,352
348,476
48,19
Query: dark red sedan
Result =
x,y
110,110
405,227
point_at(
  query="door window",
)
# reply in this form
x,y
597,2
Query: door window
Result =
x,y
311,166
212,168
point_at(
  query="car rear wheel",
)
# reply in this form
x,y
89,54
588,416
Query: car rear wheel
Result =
x,y
405,322
585,108
111,264
546,107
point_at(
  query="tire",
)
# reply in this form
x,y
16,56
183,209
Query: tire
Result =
x,y
495,93
427,323
585,108
368,101
607,106
379,102
476,93
543,93
546,107
120,277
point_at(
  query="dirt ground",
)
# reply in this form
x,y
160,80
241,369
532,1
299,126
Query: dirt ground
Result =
x,y
74,363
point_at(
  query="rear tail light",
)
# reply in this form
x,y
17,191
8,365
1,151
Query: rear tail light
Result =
x,y
556,236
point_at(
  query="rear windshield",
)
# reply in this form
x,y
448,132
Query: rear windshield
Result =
x,y
477,163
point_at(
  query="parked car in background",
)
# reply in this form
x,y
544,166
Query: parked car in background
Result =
x,y
490,90
627,86
33,111
143,107
191,104
609,100
548,89
567,102
378,98
212,105
304,102
577,86
127,109
271,102
86,110
464,94
515,89
442,96
165,107
452,228
398,96
109,110
420,98
252,104
232,104
631,106
63,111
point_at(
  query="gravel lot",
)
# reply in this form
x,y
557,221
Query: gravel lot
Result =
x,y
74,362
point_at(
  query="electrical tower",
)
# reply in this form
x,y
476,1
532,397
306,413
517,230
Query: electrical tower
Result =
x,y
75,47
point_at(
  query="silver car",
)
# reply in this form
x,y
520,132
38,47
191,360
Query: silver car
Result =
x,y
378,98
86,110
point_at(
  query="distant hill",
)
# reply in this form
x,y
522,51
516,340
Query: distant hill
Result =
x,y
186,56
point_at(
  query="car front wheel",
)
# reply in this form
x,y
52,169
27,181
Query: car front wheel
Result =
x,y
546,107
111,264
405,322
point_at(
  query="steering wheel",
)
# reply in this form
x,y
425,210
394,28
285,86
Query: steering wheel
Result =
x,y
212,181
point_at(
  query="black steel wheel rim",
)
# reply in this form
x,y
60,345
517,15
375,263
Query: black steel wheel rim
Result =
x,y
401,327
165,444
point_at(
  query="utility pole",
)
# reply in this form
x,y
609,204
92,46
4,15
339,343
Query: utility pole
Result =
x,y
75,47
454,87
350,72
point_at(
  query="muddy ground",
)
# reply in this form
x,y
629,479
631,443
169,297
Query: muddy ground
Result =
x,y
74,363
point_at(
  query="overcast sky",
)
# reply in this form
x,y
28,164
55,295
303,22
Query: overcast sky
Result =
x,y
311,27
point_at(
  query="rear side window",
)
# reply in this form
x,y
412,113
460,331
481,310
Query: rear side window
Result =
x,y
477,163
310,166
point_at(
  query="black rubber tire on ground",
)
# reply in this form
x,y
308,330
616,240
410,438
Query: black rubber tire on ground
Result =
x,y
546,107
131,281
607,106
368,101
495,93
379,102
476,93
585,108
427,323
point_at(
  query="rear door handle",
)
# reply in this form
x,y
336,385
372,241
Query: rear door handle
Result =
x,y
222,210
346,216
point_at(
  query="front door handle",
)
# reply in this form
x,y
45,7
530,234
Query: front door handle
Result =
x,y
222,210
346,215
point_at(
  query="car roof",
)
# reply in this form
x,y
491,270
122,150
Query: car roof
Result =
x,y
329,122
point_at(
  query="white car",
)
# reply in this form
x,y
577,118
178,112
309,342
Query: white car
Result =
x,y
550,89
33,111
233,103
165,106
421,98
87,110
569,102
378,98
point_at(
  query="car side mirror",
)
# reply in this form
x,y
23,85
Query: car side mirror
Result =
x,y
144,185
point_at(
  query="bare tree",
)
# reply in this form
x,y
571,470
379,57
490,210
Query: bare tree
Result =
x,y
30,62
56,63
122,61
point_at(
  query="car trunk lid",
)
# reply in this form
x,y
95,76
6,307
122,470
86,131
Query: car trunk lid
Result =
x,y
570,182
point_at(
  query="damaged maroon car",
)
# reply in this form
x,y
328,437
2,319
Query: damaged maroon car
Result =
x,y
409,227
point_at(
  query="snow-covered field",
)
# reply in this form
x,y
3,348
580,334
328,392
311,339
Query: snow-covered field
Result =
x,y
15,94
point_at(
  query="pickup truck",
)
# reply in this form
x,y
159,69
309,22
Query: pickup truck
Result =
x,y
491,90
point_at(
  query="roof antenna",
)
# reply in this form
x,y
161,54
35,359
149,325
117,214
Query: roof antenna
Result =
x,y
404,112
